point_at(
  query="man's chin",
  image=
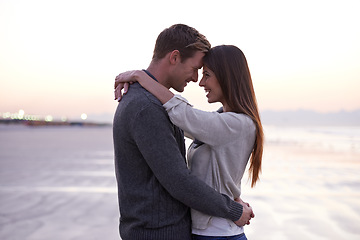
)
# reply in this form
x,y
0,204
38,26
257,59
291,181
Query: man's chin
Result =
x,y
179,89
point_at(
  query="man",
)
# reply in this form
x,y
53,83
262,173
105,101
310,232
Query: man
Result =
x,y
155,187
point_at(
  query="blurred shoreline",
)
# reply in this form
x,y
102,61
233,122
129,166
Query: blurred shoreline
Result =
x,y
35,123
283,118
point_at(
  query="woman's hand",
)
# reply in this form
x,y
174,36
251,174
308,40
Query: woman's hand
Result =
x,y
247,213
123,81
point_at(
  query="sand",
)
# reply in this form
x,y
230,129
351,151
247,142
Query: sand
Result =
x,y
57,184
306,193
62,192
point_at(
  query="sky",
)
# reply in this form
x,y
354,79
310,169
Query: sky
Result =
x,y
60,58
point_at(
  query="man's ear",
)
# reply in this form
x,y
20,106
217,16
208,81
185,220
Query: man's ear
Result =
x,y
174,57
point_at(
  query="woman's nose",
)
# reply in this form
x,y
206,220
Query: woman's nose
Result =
x,y
202,82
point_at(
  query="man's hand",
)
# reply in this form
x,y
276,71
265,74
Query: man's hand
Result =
x,y
246,215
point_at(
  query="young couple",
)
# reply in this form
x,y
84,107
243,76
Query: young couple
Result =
x,y
157,185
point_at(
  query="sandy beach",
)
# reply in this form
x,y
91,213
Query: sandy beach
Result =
x,y
302,195
59,184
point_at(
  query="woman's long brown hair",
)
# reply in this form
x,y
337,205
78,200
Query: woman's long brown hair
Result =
x,y
231,70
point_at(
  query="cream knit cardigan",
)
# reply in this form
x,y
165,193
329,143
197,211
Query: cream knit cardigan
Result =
x,y
221,161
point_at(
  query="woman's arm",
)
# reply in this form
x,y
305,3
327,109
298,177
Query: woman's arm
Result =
x,y
157,89
212,128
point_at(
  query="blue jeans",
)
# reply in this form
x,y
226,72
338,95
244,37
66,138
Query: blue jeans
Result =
x,y
236,237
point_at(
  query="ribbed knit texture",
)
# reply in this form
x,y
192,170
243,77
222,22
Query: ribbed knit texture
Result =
x,y
154,184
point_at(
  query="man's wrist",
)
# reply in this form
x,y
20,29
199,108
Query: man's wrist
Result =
x,y
236,210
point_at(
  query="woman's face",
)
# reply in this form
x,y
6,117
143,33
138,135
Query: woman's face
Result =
x,y
211,86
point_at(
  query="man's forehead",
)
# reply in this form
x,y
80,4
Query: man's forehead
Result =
x,y
198,59
200,65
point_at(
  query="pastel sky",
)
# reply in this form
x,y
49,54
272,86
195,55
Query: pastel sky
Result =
x,y
61,57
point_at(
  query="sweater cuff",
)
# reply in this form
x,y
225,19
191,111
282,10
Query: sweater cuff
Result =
x,y
236,210
174,101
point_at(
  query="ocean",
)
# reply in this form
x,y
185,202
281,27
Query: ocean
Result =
x,y
59,183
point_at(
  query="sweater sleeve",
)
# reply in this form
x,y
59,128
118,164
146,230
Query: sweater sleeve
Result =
x,y
212,128
153,134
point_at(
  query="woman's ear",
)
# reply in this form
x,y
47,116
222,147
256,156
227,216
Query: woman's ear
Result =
x,y
174,57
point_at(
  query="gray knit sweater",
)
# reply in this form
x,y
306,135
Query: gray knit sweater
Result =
x,y
155,187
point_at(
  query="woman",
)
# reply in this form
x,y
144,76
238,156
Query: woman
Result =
x,y
225,140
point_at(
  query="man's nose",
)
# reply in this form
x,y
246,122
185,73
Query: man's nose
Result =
x,y
195,76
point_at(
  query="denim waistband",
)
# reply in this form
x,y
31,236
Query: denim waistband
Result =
x,y
200,237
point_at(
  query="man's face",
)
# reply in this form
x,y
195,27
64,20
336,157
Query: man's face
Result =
x,y
187,71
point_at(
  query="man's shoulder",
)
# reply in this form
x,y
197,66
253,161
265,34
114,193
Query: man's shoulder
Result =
x,y
139,95
138,100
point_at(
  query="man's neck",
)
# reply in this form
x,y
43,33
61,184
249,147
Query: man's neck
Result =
x,y
157,70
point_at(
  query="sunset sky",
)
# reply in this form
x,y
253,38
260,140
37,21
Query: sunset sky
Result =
x,y
60,58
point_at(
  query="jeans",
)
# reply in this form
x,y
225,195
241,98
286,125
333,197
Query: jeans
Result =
x,y
236,237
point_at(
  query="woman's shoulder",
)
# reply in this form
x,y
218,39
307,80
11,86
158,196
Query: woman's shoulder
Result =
x,y
242,119
239,116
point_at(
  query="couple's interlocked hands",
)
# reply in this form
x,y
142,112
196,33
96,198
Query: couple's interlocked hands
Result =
x,y
246,215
